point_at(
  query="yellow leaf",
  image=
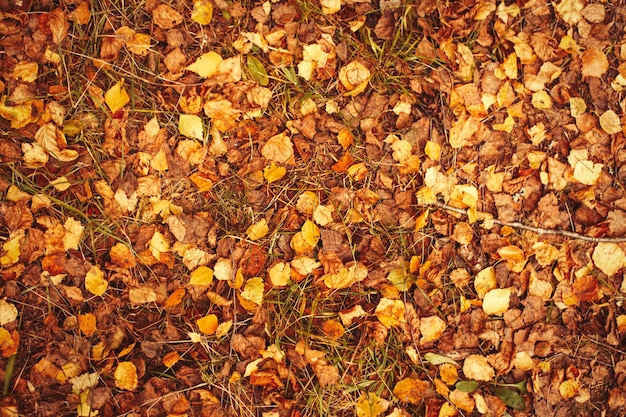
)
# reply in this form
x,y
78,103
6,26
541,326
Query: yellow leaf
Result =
x,y
125,376
432,150
390,312
207,324
95,282
253,290
206,65
203,275
587,172
202,12
346,276
223,328
496,301
485,280
73,233
258,230
577,106
280,274
26,71
514,256
333,329
541,100
412,391
273,172
19,115
569,388
569,10
448,373
370,405
116,97
306,239
139,44
8,312
401,278
12,248
191,126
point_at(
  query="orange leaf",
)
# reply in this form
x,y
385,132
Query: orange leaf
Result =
x,y
87,323
176,297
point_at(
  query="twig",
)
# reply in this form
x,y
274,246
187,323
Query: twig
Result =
x,y
539,230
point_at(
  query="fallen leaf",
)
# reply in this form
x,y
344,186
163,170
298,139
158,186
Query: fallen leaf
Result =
x,y
257,230
431,329
477,368
165,17
608,257
191,126
354,77
207,324
370,405
253,290
116,97
202,12
390,312
125,376
412,391
206,65
95,282
496,301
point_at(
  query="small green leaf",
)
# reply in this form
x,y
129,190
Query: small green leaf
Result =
x,y
436,359
257,70
467,386
511,398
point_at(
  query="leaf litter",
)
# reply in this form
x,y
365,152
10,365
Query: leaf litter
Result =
x,y
371,208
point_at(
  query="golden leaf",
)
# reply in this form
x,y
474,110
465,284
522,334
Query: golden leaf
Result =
x,y
390,312
125,376
609,257
176,297
279,149
370,405
87,323
595,63
280,274
95,282
116,97
411,390
354,77
203,275
202,12
258,230
206,65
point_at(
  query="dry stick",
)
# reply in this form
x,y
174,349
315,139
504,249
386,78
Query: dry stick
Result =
x,y
539,230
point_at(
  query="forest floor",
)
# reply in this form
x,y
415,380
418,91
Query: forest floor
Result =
x,y
312,208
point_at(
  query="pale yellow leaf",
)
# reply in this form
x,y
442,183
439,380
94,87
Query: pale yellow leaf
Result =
x,y
280,274
8,312
73,233
191,126
26,71
608,257
253,290
610,122
485,280
496,301
477,368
